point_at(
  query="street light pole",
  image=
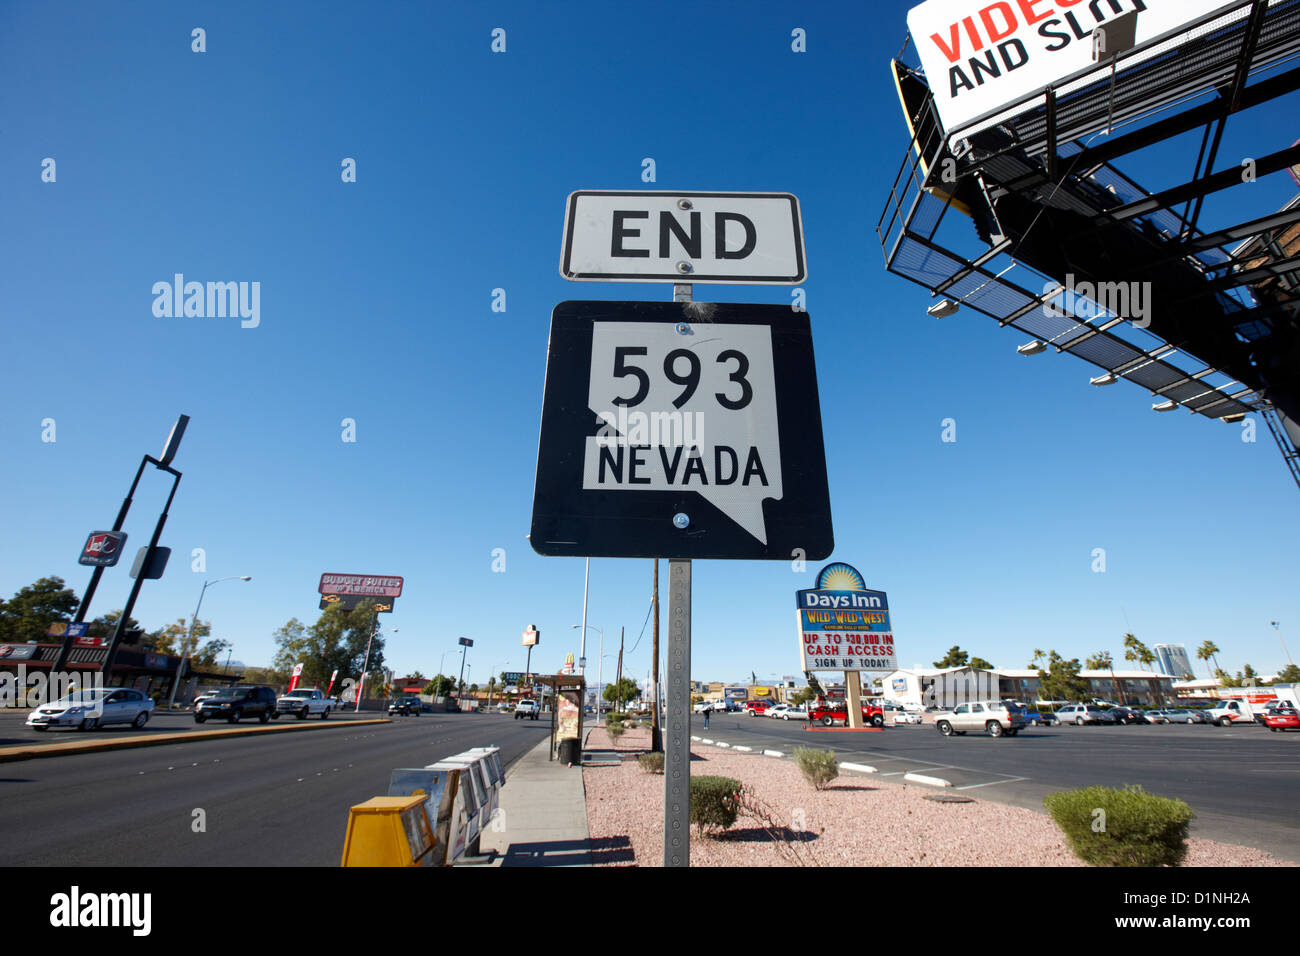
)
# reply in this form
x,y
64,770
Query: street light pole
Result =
x,y
582,652
1279,637
600,664
184,657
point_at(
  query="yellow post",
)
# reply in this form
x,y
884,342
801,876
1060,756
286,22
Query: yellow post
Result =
x,y
389,831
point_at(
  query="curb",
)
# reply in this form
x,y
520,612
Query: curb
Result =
x,y
859,767
930,781
36,751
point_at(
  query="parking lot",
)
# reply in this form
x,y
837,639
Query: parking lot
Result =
x,y
1242,780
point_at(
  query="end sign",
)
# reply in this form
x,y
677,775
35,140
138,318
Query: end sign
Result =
x,y
741,238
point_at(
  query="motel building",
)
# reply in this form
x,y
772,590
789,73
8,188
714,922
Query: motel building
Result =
x,y
947,687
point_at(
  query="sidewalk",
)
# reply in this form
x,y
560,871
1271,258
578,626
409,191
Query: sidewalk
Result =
x,y
545,811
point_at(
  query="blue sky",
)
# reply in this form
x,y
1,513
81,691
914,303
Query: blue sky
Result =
x,y
376,306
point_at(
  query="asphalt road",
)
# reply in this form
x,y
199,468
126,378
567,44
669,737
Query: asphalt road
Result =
x,y
15,732
269,800
1243,782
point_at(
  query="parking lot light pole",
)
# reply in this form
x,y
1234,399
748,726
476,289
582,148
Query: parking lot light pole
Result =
x,y
186,653
1278,631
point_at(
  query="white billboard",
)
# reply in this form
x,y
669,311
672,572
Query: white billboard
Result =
x,y
981,56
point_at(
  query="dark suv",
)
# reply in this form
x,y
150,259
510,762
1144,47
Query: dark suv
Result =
x,y
237,703
406,706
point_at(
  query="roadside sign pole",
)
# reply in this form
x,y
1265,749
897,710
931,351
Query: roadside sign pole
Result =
x,y
677,756
677,748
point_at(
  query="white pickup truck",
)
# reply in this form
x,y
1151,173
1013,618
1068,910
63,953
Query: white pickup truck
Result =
x,y
305,702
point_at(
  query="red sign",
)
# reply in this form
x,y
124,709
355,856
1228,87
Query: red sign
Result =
x,y
297,672
361,585
103,548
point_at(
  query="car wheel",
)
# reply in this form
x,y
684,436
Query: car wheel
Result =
x,y
1274,729
1225,722
994,728
41,728
275,715
325,714
200,718
945,728
877,721
785,716
1078,721
234,717
264,716
828,721
141,719
89,723
302,714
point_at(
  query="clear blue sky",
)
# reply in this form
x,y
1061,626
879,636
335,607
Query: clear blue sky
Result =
x,y
376,306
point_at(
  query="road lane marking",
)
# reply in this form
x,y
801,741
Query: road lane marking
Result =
x,y
991,783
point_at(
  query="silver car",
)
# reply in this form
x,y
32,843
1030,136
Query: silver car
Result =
x,y
992,716
1080,714
94,707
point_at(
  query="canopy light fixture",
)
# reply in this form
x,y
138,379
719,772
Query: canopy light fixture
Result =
x,y
1032,348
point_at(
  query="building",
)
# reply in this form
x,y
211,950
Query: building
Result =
x,y
1173,659
947,687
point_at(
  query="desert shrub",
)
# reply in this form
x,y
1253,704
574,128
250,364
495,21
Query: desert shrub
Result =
x,y
1129,827
651,762
819,766
615,731
613,718
630,725
714,803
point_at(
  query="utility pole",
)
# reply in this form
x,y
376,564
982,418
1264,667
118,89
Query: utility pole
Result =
x,y
656,745
619,679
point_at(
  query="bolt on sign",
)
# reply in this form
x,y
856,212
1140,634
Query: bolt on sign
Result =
x,y
653,236
681,430
842,625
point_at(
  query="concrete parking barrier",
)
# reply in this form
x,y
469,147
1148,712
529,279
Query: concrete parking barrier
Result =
x,y
928,781
859,767
773,753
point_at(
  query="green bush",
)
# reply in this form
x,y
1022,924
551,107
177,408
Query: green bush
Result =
x,y
714,803
1128,827
651,762
615,731
819,766
630,725
613,718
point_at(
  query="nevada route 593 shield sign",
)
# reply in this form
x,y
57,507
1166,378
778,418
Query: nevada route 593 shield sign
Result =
x,y
681,430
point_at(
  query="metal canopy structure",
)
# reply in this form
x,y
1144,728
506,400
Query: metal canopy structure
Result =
x,y
1072,252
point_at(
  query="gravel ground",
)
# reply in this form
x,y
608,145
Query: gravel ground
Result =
x,y
857,820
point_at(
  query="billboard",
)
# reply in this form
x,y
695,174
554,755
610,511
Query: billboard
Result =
x,y
351,602
102,548
532,636
361,585
841,625
980,57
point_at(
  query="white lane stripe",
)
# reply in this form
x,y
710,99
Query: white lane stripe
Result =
x,y
972,786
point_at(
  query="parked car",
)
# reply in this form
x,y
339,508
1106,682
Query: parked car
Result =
x,y
1035,718
304,702
527,708
786,712
1176,717
1080,714
906,717
757,708
1282,718
238,702
995,717
1128,715
406,706
93,707
710,705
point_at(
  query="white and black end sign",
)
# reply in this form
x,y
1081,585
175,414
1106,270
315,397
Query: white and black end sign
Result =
x,y
747,238
681,430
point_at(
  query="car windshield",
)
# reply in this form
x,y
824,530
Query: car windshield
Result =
x,y
298,693
86,696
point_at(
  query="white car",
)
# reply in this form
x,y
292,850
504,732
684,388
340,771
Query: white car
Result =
x,y
786,712
906,717
93,707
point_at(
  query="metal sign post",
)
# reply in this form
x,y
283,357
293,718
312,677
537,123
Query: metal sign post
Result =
x,y
677,748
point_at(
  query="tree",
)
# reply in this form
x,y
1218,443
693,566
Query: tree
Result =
x,y
625,689
103,625
1207,652
980,664
1102,661
440,686
802,696
1288,675
337,641
1061,680
955,657
416,675
1136,651
473,688
29,613
173,638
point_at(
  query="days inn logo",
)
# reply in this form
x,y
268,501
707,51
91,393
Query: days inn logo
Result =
x,y
840,585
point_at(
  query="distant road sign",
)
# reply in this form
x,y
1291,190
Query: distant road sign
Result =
x,y
613,236
466,641
102,548
681,430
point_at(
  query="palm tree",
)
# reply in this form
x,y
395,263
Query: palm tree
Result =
x,y
1038,655
1102,661
1207,652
